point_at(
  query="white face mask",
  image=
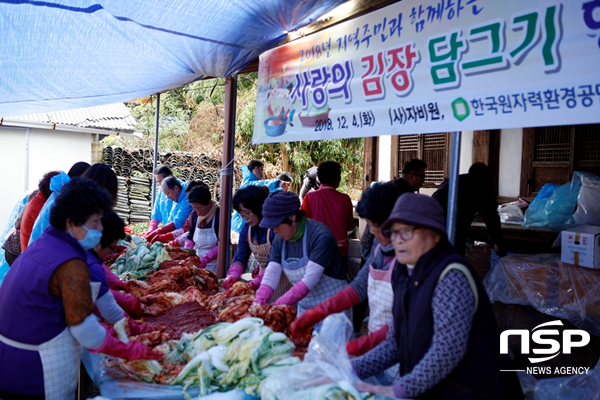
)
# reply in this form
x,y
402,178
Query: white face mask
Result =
x,y
91,239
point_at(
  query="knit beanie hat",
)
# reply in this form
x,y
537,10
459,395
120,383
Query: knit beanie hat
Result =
x,y
418,210
277,207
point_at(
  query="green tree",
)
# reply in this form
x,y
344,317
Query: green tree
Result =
x,y
191,119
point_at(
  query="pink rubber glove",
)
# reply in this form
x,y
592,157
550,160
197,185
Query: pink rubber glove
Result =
x,y
113,281
129,303
152,226
212,254
294,295
189,244
137,329
208,257
129,351
233,275
254,284
264,294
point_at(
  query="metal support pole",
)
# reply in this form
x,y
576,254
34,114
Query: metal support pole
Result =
x,y
227,176
27,135
453,189
155,148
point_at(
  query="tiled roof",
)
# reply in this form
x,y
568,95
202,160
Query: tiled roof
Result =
x,y
114,117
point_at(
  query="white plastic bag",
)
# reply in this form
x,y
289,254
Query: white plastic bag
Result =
x,y
588,202
325,373
511,213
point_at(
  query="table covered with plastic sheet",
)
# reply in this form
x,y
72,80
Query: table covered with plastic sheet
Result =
x,y
550,286
126,389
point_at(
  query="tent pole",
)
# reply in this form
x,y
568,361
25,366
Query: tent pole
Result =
x,y
453,190
227,176
155,148
27,136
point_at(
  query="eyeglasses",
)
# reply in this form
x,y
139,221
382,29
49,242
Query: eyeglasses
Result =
x,y
403,233
112,249
419,175
246,214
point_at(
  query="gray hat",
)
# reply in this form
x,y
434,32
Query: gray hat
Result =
x,y
418,210
277,207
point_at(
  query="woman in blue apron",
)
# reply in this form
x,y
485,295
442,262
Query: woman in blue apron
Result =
x,y
305,251
46,302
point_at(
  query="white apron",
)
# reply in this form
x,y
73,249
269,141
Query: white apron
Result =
x,y
95,290
261,253
381,302
60,362
204,241
295,269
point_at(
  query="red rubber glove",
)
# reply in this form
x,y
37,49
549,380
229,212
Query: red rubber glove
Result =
x,y
233,275
162,230
341,301
174,243
151,235
129,351
152,226
164,238
137,329
364,344
129,303
170,227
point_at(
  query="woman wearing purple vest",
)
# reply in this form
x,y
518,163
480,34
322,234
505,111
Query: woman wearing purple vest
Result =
x,y
46,302
443,334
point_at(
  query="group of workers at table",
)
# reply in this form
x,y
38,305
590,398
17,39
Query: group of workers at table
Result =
x,y
432,332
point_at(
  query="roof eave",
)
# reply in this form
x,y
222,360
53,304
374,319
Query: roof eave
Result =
x,y
71,128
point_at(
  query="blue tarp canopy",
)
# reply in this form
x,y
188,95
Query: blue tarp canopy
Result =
x,y
62,54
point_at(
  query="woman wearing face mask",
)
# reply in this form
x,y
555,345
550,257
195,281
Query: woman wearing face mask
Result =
x,y
305,251
112,305
254,240
46,302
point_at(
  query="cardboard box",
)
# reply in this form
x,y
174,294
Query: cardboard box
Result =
x,y
581,246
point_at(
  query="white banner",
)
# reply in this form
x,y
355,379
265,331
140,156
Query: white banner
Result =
x,y
435,66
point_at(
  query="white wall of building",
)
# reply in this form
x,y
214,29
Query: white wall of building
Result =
x,y
48,150
385,158
12,163
511,149
466,152
56,150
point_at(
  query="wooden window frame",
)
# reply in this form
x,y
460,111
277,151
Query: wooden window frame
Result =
x,y
395,162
